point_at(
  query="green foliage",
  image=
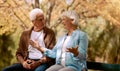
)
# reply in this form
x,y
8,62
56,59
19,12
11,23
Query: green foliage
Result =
x,y
103,40
6,46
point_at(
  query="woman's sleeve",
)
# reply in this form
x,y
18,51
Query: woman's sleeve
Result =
x,y
82,47
51,53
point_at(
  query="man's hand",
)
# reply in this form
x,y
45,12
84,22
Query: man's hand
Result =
x,y
73,50
26,64
34,64
43,60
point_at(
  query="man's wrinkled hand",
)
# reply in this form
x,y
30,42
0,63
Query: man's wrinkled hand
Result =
x,y
34,64
26,65
43,60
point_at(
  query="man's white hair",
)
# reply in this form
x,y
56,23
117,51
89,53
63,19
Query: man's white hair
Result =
x,y
72,15
34,12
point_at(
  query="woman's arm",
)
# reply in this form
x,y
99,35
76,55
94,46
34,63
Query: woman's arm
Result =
x,y
47,52
82,47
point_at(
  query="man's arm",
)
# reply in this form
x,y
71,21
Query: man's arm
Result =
x,y
49,44
19,52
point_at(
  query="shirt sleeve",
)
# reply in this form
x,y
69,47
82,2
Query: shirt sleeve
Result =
x,y
51,53
82,48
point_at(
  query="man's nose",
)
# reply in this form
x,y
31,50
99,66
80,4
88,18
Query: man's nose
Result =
x,y
63,22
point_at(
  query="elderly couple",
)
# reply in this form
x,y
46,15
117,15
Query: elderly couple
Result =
x,y
37,52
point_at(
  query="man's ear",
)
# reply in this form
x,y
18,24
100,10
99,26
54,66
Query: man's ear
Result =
x,y
72,19
33,21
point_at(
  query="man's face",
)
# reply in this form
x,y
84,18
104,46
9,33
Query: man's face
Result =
x,y
39,21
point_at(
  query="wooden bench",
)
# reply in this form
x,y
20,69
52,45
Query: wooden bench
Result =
x,y
103,66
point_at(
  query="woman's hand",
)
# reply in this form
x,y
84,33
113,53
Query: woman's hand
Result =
x,y
73,50
34,44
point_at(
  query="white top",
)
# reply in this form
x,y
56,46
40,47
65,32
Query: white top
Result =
x,y
65,41
33,52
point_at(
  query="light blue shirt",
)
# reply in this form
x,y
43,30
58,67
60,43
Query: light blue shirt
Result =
x,y
77,38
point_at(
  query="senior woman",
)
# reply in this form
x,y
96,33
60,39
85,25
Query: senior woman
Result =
x,y
70,49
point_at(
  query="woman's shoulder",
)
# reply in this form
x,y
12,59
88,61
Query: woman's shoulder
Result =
x,y
26,31
80,33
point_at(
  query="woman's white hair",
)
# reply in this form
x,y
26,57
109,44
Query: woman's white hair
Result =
x,y
34,12
72,15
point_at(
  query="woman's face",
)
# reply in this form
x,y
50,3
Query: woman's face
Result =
x,y
39,21
67,22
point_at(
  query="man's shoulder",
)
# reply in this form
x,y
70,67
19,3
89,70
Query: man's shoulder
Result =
x,y
48,30
26,31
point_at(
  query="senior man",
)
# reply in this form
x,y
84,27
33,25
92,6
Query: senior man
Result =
x,y
31,59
